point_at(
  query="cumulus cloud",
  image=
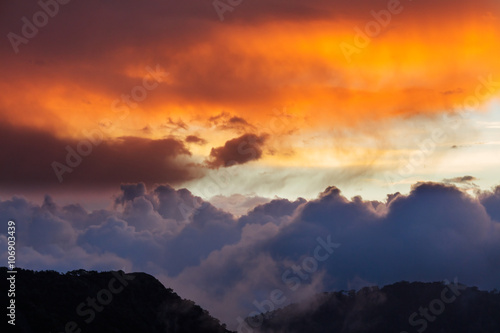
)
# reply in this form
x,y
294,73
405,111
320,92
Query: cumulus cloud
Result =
x,y
240,150
276,211
435,232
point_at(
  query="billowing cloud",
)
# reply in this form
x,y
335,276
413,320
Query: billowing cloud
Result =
x,y
491,201
130,192
243,149
298,247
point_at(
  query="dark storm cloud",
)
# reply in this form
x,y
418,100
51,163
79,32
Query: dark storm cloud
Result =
x,y
243,149
33,157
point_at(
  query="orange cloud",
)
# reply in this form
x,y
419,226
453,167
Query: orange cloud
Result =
x,y
427,60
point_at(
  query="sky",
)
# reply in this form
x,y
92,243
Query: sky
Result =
x,y
238,132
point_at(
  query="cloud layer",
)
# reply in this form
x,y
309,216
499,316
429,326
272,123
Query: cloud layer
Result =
x,y
228,263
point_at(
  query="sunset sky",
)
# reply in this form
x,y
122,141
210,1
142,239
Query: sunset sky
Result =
x,y
332,105
241,104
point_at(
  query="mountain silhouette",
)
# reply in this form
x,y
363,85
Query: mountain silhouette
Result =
x,y
82,301
401,307
89,301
